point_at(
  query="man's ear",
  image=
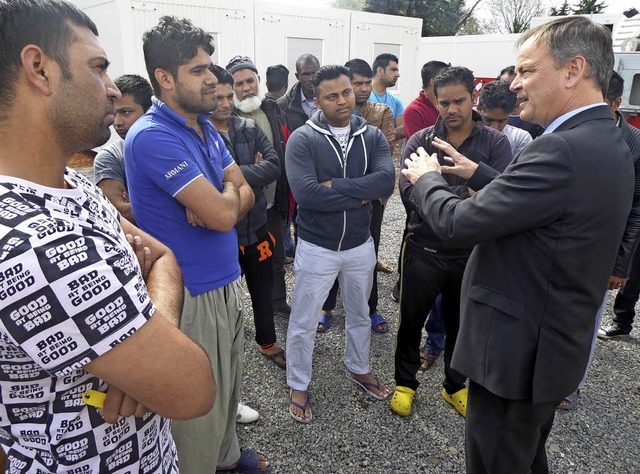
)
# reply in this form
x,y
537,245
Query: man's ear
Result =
x,y
164,78
379,71
616,104
576,68
38,68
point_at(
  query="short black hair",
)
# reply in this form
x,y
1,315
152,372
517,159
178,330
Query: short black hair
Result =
x,y
509,70
44,23
496,95
616,86
277,77
221,74
430,70
170,44
305,59
359,66
327,73
455,75
383,60
137,87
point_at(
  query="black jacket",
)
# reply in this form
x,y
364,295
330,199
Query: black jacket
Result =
x,y
278,124
629,242
247,139
485,145
291,105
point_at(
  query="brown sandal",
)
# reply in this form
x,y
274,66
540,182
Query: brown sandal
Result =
x,y
277,358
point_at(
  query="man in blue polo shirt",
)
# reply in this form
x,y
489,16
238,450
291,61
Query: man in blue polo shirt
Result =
x,y
186,190
385,75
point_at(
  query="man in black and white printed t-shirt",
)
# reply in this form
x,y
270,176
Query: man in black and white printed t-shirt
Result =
x,y
71,289
77,310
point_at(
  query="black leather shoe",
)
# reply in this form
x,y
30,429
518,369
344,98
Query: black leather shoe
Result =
x,y
395,293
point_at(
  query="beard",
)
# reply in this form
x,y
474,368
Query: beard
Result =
x,y
360,101
79,121
248,105
195,101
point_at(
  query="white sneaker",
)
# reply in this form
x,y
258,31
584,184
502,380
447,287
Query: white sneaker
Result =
x,y
246,414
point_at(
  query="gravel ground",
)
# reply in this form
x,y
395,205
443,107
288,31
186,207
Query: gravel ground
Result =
x,y
353,433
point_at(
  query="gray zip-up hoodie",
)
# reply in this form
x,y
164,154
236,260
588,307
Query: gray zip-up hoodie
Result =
x,y
337,217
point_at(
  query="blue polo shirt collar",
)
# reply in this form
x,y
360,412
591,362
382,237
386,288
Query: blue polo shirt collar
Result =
x,y
170,113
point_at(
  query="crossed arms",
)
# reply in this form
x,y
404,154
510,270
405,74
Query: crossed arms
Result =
x,y
324,193
158,366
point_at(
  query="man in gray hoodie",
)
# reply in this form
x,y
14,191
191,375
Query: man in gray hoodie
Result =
x,y
336,165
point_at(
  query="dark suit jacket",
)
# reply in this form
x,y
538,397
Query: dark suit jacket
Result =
x,y
547,232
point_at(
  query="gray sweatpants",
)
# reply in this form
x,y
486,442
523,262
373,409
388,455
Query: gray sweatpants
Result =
x,y
315,270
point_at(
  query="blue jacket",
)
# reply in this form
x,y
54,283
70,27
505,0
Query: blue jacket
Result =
x,y
337,217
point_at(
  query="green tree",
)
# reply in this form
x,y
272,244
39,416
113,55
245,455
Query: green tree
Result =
x,y
357,5
471,27
584,7
564,10
440,17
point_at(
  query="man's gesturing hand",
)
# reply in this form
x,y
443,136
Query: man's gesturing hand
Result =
x,y
420,163
462,166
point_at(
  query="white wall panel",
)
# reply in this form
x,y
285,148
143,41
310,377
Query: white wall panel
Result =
x,y
280,28
485,55
122,23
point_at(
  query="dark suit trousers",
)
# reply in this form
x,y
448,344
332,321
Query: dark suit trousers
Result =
x,y
506,436
256,263
424,276
377,212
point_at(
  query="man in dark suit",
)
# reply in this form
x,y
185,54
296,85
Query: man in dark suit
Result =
x,y
546,233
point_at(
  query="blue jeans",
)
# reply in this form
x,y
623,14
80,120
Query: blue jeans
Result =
x,y
289,246
435,327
